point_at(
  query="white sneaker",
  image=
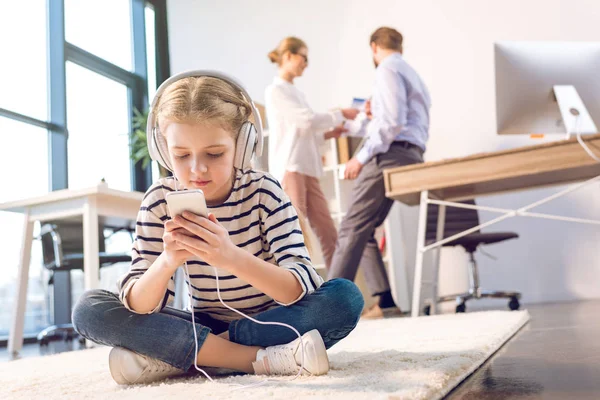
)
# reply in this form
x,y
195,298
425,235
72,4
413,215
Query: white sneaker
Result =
x,y
128,368
286,359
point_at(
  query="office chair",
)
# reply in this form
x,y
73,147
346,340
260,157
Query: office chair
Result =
x,y
459,220
62,250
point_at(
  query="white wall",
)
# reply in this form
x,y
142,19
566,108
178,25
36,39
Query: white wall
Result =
x,y
451,44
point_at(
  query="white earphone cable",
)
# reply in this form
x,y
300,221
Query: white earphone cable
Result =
x,y
248,317
191,305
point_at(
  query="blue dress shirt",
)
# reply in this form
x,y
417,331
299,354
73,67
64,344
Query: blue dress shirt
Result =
x,y
400,107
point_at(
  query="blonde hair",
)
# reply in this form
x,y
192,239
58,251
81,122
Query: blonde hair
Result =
x,y
291,44
210,100
204,100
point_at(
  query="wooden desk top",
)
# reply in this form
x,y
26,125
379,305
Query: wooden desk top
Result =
x,y
485,174
101,190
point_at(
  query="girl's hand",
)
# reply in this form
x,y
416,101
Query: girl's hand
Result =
x,y
210,240
174,253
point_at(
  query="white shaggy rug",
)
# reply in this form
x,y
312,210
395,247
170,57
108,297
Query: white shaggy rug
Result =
x,y
422,358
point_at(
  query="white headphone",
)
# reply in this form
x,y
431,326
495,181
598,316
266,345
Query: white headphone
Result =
x,y
249,140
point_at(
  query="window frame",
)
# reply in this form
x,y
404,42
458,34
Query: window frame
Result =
x,y
59,51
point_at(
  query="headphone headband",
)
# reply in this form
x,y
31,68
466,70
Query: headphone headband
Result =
x,y
151,123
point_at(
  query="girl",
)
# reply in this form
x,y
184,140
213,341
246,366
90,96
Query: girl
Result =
x,y
296,134
252,237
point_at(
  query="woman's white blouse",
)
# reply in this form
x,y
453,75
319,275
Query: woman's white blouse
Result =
x,y
295,131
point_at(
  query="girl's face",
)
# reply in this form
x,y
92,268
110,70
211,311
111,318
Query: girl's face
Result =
x,y
202,157
297,62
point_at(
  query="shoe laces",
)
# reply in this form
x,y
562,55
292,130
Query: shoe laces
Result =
x,y
158,366
282,360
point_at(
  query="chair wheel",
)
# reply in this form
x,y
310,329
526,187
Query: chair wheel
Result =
x,y
514,304
462,307
427,310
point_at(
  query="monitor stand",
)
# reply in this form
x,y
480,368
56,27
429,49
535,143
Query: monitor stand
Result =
x,y
575,116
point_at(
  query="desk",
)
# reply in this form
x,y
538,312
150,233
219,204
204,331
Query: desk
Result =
x,y
447,181
115,207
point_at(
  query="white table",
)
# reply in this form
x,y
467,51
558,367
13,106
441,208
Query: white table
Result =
x,y
115,207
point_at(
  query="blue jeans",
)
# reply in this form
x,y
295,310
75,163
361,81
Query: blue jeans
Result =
x,y
333,309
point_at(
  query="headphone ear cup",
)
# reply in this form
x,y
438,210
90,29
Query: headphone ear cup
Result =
x,y
245,146
162,150
157,145
250,146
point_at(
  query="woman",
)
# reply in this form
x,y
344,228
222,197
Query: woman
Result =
x,y
296,134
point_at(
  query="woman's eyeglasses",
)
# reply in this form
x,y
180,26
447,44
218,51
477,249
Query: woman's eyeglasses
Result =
x,y
303,56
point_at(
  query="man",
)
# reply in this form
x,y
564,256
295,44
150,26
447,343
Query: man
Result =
x,y
396,136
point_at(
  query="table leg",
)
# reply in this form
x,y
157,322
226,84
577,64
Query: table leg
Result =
x,y
441,223
15,338
416,302
91,263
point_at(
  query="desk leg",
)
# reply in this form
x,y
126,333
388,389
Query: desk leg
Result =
x,y
15,338
416,302
90,244
441,223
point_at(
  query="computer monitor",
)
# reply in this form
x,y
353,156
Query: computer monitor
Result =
x,y
547,87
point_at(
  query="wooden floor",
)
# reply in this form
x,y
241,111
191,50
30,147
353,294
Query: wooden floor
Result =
x,y
555,356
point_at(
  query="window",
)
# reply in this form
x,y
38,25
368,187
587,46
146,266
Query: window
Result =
x,y
102,28
25,161
149,16
95,51
23,67
26,164
98,121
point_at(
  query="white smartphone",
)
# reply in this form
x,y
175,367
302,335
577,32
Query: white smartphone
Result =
x,y
187,200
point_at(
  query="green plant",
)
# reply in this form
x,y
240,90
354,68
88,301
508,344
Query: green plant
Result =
x,y
139,142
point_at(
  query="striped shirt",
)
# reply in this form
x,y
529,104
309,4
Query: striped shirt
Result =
x,y
260,219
